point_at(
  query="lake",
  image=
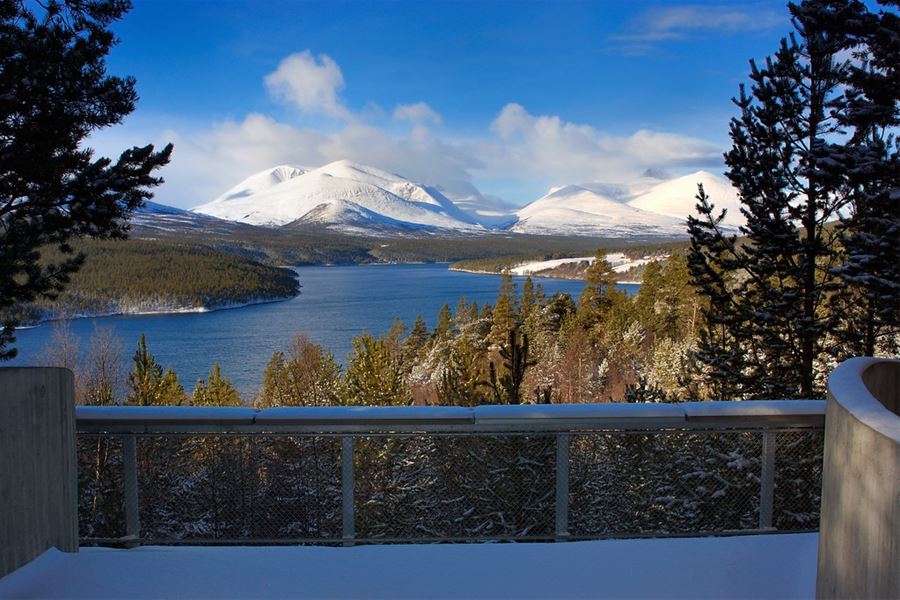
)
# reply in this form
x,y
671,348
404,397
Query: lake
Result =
x,y
335,304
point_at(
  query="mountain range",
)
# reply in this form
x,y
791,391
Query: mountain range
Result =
x,y
357,199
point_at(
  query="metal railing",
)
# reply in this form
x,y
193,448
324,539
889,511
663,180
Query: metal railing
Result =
x,y
346,475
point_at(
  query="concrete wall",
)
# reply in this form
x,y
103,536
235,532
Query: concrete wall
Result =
x,y
859,533
38,471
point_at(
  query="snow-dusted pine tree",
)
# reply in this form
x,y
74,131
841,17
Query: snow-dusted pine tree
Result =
x,y
770,314
870,165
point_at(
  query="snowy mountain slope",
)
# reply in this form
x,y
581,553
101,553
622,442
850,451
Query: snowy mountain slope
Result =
x,y
263,180
159,218
577,210
647,206
490,211
341,195
677,197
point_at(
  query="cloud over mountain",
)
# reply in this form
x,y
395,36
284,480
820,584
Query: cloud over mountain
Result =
x,y
532,149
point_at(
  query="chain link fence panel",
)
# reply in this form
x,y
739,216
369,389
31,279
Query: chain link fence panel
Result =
x,y
446,486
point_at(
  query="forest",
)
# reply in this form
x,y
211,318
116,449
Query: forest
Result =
x,y
152,275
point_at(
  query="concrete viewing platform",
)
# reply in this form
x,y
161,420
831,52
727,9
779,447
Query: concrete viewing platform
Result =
x,y
853,555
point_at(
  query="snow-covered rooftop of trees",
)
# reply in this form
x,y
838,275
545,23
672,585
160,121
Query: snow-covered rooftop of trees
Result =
x,y
756,566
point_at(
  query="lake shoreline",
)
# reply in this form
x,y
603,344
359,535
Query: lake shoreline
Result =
x,y
482,272
169,310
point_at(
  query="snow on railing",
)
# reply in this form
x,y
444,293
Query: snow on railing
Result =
x,y
368,474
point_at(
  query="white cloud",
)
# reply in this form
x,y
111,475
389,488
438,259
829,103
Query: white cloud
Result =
x,y
546,148
309,83
419,114
679,22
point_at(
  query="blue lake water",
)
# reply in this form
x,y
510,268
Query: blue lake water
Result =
x,y
335,304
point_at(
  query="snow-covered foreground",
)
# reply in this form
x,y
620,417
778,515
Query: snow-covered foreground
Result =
x,y
759,566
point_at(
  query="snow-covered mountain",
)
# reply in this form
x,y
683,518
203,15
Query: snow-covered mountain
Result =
x,y
677,197
354,198
343,196
578,210
649,206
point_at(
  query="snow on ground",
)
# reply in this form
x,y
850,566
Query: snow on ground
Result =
x,y
619,262
756,566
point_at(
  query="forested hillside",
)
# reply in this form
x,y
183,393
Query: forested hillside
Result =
x,y
154,275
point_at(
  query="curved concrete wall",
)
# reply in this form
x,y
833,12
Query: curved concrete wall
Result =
x,y
38,471
859,532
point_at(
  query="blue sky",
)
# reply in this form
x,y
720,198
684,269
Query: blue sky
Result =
x,y
511,96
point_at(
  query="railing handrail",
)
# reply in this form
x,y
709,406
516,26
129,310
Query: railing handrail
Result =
x,y
756,414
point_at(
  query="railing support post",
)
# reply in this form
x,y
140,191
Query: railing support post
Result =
x,y
347,491
562,484
130,483
767,480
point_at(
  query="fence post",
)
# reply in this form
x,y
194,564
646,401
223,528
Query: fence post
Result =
x,y
130,483
767,480
347,485
562,484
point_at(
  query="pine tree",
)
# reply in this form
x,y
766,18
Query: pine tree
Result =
x,y
461,315
215,390
666,305
375,374
314,374
600,294
56,93
505,311
395,334
529,299
870,165
507,388
444,327
473,312
460,383
415,342
148,384
170,389
768,316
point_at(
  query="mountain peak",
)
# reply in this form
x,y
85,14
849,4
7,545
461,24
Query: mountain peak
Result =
x,y
677,197
341,195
